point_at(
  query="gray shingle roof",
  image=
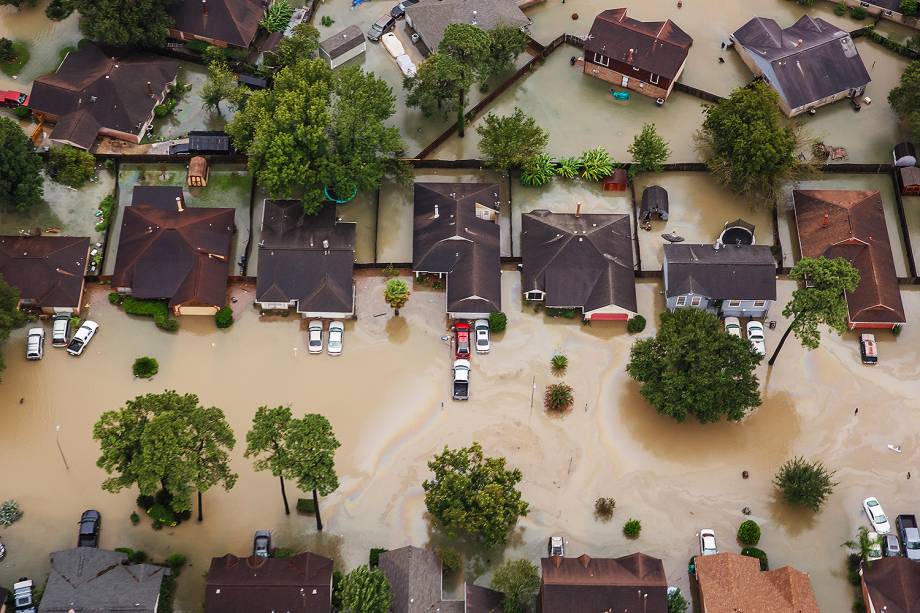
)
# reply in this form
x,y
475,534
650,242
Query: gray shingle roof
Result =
x,y
431,17
739,272
342,42
415,579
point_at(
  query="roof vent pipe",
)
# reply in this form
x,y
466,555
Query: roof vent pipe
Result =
x,y
577,210
437,212
717,245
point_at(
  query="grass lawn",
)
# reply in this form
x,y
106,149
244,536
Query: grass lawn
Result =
x,y
22,57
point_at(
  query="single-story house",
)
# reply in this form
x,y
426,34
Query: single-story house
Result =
x,y
887,9
429,18
306,261
456,235
647,57
91,579
222,23
299,584
909,180
579,261
730,582
343,46
632,583
169,251
728,280
48,271
851,224
891,585
93,93
809,64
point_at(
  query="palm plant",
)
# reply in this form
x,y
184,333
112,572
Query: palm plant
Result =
x,y
538,171
862,544
568,168
396,293
277,16
596,164
559,397
559,363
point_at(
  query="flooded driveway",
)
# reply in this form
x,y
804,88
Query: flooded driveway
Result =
x,y
387,398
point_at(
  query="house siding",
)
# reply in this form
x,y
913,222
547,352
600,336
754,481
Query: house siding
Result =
x,y
746,309
637,80
351,54
889,14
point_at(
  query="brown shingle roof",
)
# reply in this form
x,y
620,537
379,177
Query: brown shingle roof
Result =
x,y
657,46
299,584
730,582
415,579
602,584
893,585
851,224
342,42
47,270
231,21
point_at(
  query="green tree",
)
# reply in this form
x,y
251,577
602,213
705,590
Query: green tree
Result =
x,y
125,23
803,483
510,141
910,7
10,315
747,144
166,441
692,366
7,52
71,166
220,85
438,85
505,44
821,301
649,151
303,43
311,443
396,293
677,603
863,545
18,3
20,168
905,98
59,9
474,494
366,590
558,397
519,582
268,442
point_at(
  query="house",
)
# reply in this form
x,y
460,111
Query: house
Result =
x,y
222,23
579,261
306,261
728,280
891,585
429,18
96,580
94,94
729,582
343,46
456,235
887,9
299,584
644,56
416,579
909,180
632,583
169,251
809,64
851,224
48,271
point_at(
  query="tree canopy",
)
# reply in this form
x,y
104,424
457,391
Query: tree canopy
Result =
x,y
519,582
905,98
125,23
221,85
510,141
505,44
396,293
10,315
804,483
71,166
693,367
365,590
303,43
474,494
20,168
649,151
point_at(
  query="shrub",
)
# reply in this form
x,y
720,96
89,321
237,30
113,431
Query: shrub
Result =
x,y
451,560
175,562
559,397
858,605
749,533
305,505
145,502
538,172
753,552
858,13
390,271
635,324
283,552
840,9
677,603
162,516
165,323
137,557
559,363
71,166
564,313
115,298
22,112
896,331
498,321
59,9
373,559
198,46
804,483
7,53
596,164
632,528
224,317
604,507
145,367
14,66
10,513
568,168
135,518
105,208
145,308
327,20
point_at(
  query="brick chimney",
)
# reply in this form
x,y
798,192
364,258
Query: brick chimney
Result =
x,y
204,7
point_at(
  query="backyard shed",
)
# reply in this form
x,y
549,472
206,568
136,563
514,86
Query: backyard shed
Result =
x,y
905,155
738,232
654,203
909,179
198,172
343,46
618,181
208,143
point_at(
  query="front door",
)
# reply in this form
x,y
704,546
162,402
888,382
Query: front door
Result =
x,y
625,82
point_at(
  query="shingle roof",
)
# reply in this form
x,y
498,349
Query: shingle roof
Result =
x,y
342,42
739,272
231,21
47,270
893,585
910,176
415,580
299,584
584,261
601,584
730,582
851,224
482,600
431,17
91,89
457,242
181,256
811,59
93,580
308,258
657,46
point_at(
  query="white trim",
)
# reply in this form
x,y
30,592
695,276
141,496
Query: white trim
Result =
x,y
681,301
696,301
654,79
599,59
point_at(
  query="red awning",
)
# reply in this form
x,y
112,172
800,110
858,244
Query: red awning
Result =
x,y
609,316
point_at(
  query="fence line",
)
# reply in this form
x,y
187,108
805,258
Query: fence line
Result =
x,y
699,93
902,222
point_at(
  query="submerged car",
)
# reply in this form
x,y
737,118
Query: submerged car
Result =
x,y
35,344
82,337
262,544
876,515
483,342
708,542
336,338
556,547
755,337
315,336
60,330
462,340
733,326
868,350
875,547
891,546
90,524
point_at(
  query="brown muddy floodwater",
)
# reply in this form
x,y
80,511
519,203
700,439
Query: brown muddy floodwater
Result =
x,y
387,398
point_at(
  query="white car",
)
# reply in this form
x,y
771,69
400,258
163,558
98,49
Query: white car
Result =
x,y
82,337
755,337
60,330
315,336
876,515
392,44
336,338
35,344
406,65
875,546
733,326
708,542
483,343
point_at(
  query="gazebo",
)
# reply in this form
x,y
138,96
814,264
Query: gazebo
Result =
x,y
198,172
654,203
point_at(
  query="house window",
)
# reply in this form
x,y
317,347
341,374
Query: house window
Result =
x,y
600,59
759,304
864,4
695,301
681,301
734,304
535,295
653,79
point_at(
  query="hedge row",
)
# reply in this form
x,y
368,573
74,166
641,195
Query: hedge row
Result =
x,y
870,33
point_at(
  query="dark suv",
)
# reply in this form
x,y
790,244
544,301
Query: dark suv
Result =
x,y
90,523
381,27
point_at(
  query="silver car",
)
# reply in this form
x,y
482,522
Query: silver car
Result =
x,y
336,338
483,342
60,330
35,344
315,336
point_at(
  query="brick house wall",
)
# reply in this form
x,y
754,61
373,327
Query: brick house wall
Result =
x,y
636,79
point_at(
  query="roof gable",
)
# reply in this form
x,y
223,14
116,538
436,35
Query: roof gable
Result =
x,y
660,47
47,270
231,21
739,272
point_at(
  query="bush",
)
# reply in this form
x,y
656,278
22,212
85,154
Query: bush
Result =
x,y
858,605
538,172
568,168
635,324
137,557
145,308
283,552
749,533
145,367
558,397
373,559
7,53
135,518
840,9
105,207
896,331
677,603
596,164
632,528
327,20
22,112
71,166
197,46
10,513
224,317
858,13
753,552
176,562
804,483
145,502
390,271
498,321
305,505
451,561
277,16
59,9
115,298
13,67
564,313
604,507
165,323
162,516
559,363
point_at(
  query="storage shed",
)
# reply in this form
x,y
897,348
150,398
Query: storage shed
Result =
x,y
909,179
197,172
208,143
654,203
618,181
343,46
905,155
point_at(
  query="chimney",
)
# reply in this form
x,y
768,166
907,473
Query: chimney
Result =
x,y
325,244
584,559
577,210
204,7
556,560
150,89
437,213
180,206
826,220
717,245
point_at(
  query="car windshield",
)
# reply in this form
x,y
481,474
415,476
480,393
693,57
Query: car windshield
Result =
x,y
880,519
872,503
913,545
709,542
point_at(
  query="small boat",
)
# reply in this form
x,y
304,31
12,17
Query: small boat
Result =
x,y
619,95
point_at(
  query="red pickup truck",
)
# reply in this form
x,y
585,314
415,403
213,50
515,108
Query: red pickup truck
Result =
x,y
13,99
